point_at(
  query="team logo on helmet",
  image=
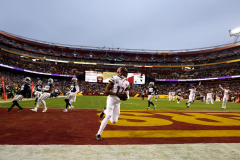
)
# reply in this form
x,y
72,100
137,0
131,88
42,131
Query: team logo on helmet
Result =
x,y
122,72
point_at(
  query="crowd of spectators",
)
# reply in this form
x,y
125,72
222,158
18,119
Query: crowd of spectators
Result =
x,y
143,57
71,69
13,80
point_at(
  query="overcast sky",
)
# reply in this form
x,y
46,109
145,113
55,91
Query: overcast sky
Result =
x,y
131,24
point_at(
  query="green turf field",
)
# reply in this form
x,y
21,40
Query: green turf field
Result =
x,y
98,102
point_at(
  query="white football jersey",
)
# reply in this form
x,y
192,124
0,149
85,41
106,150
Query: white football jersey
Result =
x,y
226,92
209,94
119,85
192,92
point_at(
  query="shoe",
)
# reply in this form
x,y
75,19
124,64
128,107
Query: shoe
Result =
x,y
154,107
148,108
20,110
65,110
71,107
102,113
187,106
34,109
7,110
44,110
98,137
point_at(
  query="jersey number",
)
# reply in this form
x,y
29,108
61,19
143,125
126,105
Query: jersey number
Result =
x,y
118,89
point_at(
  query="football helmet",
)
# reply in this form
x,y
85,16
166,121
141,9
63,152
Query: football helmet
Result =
x,y
74,79
122,72
27,79
50,80
151,84
39,82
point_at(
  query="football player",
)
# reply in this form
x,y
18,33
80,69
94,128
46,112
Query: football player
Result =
x,y
156,95
116,86
24,91
71,95
38,91
151,91
225,96
192,95
209,97
179,94
47,90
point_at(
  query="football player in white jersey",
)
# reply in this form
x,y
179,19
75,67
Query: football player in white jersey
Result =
x,y
117,85
47,90
192,95
71,95
225,96
38,91
209,97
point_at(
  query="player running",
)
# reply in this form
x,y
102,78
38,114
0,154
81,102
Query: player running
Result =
x,y
71,95
116,86
24,91
151,91
47,90
38,91
179,94
192,95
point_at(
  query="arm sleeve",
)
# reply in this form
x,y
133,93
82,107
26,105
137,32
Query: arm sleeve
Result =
x,y
221,87
127,92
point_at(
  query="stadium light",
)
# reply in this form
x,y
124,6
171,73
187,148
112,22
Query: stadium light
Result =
x,y
235,33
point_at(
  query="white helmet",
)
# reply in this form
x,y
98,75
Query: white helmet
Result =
x,y
39,82
50,80
74,79
151,83
27,79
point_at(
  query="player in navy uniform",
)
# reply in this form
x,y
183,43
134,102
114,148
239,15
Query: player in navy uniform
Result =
x,y
179,94
71,95
156,95
38,91
24,91
151,91
47,90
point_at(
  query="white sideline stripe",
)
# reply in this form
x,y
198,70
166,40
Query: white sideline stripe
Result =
x,y
198,151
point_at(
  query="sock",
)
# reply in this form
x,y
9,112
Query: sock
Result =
x,y
148,103
152,103
36,100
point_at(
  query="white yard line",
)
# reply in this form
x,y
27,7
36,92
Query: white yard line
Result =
x,y
198,151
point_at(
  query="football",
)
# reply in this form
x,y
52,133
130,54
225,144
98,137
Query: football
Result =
x,y
124,96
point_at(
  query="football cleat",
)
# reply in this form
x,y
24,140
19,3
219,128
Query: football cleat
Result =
x,y
102,113
154,107
71,107
148,108
7,110
98,137
33,110
65,110
20,110
44,110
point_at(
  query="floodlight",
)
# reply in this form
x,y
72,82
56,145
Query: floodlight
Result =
x,y
234,32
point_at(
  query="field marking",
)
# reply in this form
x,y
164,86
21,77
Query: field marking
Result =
x,y
169,133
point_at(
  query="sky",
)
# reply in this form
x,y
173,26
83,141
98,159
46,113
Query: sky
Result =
x,y
125,24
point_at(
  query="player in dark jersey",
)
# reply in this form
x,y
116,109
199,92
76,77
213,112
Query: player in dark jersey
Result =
x,y
47,90
151,91
71,95
156,95
179,94
38,91
24,91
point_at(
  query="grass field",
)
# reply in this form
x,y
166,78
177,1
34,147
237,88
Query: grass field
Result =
x,y
134,103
